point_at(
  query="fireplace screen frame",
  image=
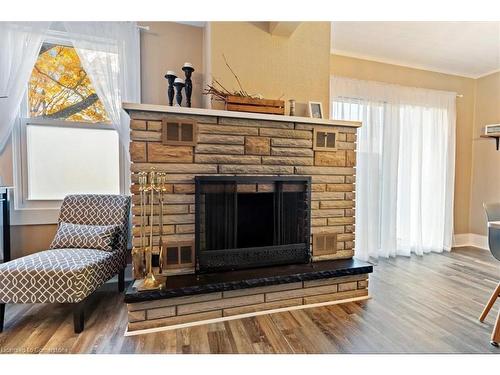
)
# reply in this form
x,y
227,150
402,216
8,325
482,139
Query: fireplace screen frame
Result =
x,y
299,253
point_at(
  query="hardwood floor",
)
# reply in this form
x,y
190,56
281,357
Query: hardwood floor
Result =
x,y
427,304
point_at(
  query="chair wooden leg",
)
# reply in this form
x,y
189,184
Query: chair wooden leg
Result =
x,y
78,317
490,303
2,315
121,280
495,336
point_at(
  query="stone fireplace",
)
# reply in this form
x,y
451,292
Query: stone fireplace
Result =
x,y
258,213
187,143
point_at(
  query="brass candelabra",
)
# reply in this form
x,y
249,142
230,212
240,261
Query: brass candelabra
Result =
x,y
152,187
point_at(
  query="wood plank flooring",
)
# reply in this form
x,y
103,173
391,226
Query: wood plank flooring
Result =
x,y
427,304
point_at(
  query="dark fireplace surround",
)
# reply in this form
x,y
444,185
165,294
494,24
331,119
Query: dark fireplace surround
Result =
x,y
251,221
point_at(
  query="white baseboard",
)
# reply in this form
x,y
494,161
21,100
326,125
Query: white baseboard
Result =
x,y
470,239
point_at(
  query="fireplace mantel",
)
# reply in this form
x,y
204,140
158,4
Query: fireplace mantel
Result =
x,y
131,107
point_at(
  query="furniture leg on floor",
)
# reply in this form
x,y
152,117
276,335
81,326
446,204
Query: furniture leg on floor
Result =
x,y
79,316
2,315
495,336
121,280
5,227
490,303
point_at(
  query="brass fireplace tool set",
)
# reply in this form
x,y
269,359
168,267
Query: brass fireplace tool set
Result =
x,y
152,187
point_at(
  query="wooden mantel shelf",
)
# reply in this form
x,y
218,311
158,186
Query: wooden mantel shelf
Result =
x,y
128,107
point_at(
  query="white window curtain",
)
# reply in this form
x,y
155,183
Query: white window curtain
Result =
x,y
110,54
405,166
20,43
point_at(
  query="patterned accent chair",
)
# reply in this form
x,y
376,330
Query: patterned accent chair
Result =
x,y
70,275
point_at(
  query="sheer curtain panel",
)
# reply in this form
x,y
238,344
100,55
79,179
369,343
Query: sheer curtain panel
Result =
x,y
405,166
20,43
110,54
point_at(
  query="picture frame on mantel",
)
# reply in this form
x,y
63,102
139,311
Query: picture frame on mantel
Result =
x,y
315,109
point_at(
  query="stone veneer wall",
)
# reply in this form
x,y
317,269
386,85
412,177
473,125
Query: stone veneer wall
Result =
x,y
235,146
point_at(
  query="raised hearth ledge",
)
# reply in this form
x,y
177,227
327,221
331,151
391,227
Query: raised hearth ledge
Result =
x,y
241,115
223,296
192,284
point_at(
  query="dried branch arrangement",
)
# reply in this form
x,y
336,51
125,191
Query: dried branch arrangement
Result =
x,y
220,92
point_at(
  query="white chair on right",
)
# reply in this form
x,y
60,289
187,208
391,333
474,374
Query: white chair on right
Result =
x,y
493,215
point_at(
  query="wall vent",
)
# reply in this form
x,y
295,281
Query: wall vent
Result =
x,y
324,244
179,132
325,140
179,255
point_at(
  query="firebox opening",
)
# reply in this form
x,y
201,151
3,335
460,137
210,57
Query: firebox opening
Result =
x,y
255,220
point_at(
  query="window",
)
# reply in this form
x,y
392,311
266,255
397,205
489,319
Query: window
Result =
x,y
66,142
405,169
59,88
63,160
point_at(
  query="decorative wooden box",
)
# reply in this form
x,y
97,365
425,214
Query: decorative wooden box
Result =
x,y
246,104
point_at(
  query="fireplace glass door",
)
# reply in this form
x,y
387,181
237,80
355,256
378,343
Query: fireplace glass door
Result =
x,y
245,222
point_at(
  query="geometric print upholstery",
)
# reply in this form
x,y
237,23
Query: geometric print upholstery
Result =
x,y
74,236
97,209
70,275
60,275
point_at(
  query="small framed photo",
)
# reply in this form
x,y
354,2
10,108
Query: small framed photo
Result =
x,y
315,110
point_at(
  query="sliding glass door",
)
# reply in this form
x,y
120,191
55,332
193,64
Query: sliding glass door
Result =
x,y
405,166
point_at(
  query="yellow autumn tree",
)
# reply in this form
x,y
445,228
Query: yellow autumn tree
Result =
x,y
59,87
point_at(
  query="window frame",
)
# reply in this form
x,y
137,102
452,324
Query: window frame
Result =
x,y
29,211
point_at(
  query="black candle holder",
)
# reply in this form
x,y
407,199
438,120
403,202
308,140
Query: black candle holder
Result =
x,y
170,76
188,71
179,84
